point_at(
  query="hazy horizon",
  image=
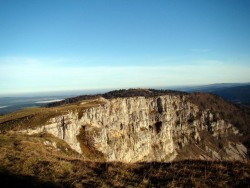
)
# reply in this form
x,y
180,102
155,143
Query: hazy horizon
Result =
x,y
55,46
71,93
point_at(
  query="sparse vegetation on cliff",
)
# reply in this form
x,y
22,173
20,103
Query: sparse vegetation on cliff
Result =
x,y
235,114
122,93
34,117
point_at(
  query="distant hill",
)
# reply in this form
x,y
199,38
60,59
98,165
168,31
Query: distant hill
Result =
x,y
233,92
239,94
210,87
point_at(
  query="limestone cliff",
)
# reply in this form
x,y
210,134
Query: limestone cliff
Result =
x,y
132,129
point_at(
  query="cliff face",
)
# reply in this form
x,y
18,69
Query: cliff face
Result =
x,y
135,129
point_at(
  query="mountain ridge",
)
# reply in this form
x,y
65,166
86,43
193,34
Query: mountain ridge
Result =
x,y
157,105
175,139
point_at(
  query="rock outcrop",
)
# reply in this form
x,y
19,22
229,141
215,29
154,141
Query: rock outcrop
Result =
x,y
132,129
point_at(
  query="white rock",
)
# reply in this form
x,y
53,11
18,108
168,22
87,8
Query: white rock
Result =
x,y
139,128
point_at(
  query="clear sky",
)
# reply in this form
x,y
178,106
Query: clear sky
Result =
x,y
50,45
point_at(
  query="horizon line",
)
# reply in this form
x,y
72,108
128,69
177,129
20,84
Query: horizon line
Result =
x,y
94,90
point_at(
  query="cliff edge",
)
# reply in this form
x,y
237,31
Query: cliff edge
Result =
x,y
144,125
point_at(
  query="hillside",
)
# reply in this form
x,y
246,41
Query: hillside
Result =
x,y
136,137
44,161
236,114
236,93
239,94
188,111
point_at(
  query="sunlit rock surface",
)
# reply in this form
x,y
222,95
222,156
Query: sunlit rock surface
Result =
x,y
135,129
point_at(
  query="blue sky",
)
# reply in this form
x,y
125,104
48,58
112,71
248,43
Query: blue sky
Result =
x,y
52,45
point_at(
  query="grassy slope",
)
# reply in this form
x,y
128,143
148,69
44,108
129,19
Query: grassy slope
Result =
x,y
26,161
33,117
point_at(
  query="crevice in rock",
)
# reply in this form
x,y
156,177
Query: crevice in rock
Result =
x,y
159,105
87,145
158,126
64,127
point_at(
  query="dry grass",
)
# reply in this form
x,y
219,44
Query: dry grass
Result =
x,y
87,147
29,156
33,117
177,174
26,161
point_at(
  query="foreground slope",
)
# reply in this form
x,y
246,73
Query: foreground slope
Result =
x,y
44,161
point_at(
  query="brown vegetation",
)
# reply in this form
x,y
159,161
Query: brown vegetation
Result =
x,y
122,93
87,146
34,117
27,161
237,115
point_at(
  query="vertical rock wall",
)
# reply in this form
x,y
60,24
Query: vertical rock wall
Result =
x,y
146,129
